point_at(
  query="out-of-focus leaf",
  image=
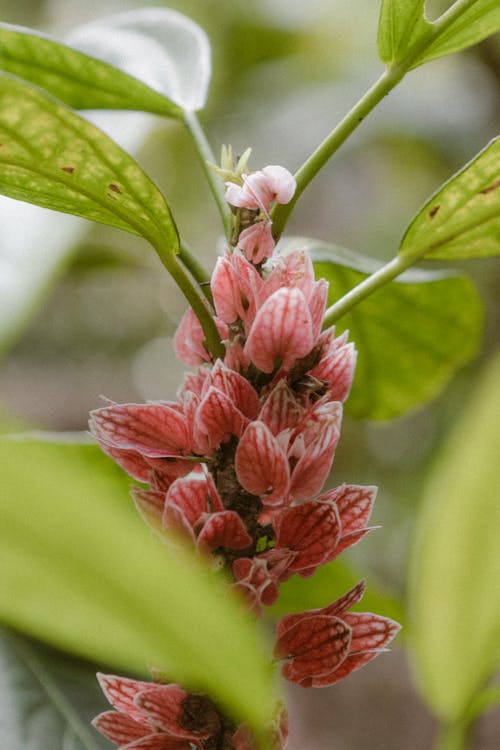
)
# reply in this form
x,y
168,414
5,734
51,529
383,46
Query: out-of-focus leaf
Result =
x,y
403,25
461,220
75,78
48,699
83,573
159,46
328,583
455,569
412,335
53,158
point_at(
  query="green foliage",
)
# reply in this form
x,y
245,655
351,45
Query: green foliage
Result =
x,y
48,699
412,335
454,592
53,158
328,583
461,220
78,80
83,573
478,20
401,25
406,36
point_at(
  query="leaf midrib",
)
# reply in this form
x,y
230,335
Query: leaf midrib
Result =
x,y
52,691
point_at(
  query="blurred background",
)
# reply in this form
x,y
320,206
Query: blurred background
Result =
x,y
284,72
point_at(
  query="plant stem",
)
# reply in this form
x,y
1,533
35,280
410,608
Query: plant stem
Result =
x,y
206,155
394,268
196,269
453,736
334,140
383,86
195,297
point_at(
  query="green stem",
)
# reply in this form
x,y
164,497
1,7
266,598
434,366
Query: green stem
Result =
x,y
196,269
453,736
196,299
394,268
334,140
206,155
383,86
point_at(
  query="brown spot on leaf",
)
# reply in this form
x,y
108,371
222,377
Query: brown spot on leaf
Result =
x,y
114,188
434,211
69,170
490,188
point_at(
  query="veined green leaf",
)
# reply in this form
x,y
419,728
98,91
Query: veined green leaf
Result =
x,y
461,220
53,158
454,592
401,24
412,335
48,698
405,33
81,81
83,573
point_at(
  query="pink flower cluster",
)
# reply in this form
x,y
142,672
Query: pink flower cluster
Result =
x,y
238,462
152,716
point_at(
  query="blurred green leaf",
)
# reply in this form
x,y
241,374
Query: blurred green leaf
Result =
x,y
403,26
53,158
328,583
412,335
48,699
83,573
161,47
455,569
75,78
462,219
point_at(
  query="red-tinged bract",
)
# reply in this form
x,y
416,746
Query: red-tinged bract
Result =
x,y
154,716
322,646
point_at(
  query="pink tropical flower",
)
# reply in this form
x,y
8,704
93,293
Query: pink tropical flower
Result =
x,y
236,466
273,184
258,578
152,716
317,531
256,242
149,716
322,646
294,463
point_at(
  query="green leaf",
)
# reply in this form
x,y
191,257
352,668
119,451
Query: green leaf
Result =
x,y
406,36
53,158
328,583
48,699
83,573
412,335
401,24
461,220
455,568
75,78
478,20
